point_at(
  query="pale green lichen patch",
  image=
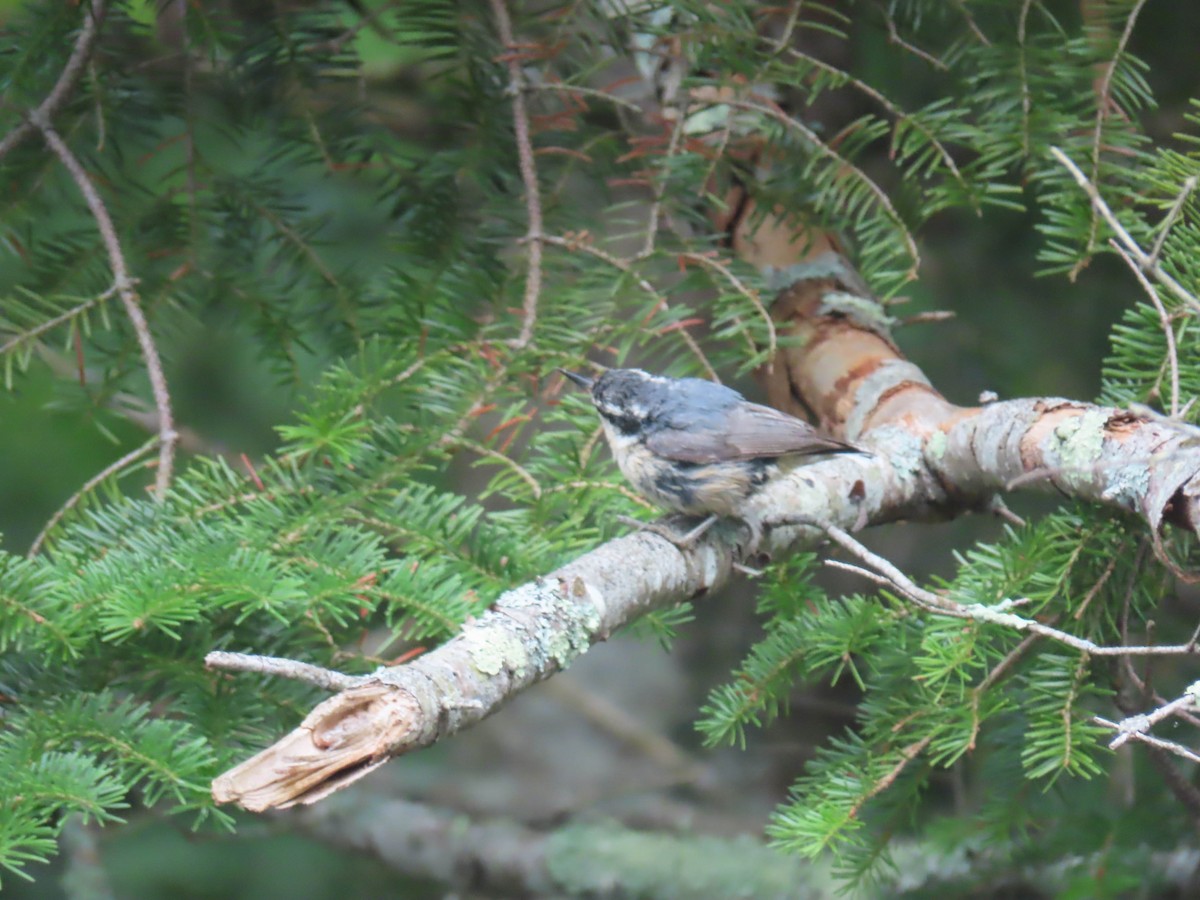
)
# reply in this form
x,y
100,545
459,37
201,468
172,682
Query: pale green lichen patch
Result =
x,y
570,634
1080,441
560,624
901,448
826,265
497,649
1128,484
936,445
864,312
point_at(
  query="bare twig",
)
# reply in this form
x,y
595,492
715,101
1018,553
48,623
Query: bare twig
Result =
x,y
894,38
124,285
1169,746
1146,263
750,294
1000,614
88,486
660,187
1164,320
326,679
93,16
1142,723
1189,185
533,202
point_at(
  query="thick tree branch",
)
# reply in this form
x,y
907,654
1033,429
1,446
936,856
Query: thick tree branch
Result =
x,y
931,459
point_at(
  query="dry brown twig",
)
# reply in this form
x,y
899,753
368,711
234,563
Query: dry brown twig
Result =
x,y
529,176
123,283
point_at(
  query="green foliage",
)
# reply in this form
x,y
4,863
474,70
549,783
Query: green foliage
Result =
x,y
348,194
941,692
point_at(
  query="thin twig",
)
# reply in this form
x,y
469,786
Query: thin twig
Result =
x,y
1026,99
88,486
567,88
1189,185
50,324
1145,263
894,38
1169,746
746,292
1000,614
999,671
789,27
124,284
520,470
1164,320
660,188
972,24
533,202
1143,722
1103,98
626,266
326,679
907,755
93,16
891,108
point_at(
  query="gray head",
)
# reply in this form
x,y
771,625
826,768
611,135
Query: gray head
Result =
x,y
633,400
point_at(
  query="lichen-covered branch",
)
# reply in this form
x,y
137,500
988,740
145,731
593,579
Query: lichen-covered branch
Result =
x,y
930,459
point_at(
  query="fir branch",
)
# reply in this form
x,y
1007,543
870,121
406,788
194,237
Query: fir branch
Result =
x,y
93,18
581,244
88,486
850,169
1104,102
1146,262
29,335
891,108
124,286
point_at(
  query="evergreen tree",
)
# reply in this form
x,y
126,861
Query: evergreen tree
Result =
x,y
416,212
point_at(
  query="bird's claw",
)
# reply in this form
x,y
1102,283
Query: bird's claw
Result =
x,y
685,541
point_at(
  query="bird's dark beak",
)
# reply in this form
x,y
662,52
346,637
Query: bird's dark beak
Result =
x,y
581,380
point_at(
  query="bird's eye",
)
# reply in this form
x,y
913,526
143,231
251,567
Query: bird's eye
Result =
x,y
622,421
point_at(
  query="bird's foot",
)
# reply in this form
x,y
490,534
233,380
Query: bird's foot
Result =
x,y
685,541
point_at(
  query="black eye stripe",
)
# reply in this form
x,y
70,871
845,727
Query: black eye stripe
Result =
x,y
627,425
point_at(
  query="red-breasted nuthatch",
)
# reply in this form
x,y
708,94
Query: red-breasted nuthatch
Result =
x,y
696,447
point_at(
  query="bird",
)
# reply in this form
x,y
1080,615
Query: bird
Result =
x,y
697,447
